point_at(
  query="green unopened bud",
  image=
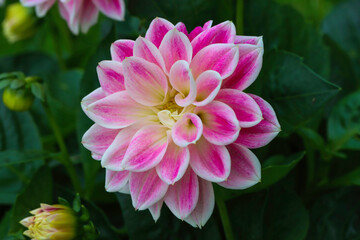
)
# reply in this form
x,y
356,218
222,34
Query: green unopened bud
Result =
x,y
18,100
19,23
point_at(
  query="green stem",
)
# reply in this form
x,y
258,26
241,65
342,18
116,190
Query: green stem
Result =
x,y
240,17
19,174
225,219
64,157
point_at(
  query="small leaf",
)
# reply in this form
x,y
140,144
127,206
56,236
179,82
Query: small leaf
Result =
x,y
4,83
63,201
77,203
38,90
17,83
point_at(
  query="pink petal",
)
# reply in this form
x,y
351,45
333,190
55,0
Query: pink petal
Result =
x,y
88,15
208,85
94,96
111,76
115,181
210,162
32,3
114,9
182,197
44,7
246,109
182,80
245,168
222,33
115,153
175,46
145,49
122,49
220,124
145,82
205,205
174,163
249,40
222,58
187,130
199,30
182,28
264,132
146,189
146,149
248,67
97,139
157,30
117,110
155,210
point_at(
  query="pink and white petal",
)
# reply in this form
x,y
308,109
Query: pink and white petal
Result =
x,y
187,130
224,32
89,16
208,85
145,82
245,107
175,46
115,181
182,197
205,205
146,189
125,189
145,49
245,168
182,80
182,28
199,30
221,126
208,24
157,30
258,41
155,210
222,58
174,163
115,153
111,77
122,49
97,139
264,132
247,69
32,3
117,110
210,162
92,97
114,9
67,11
146,149
44,7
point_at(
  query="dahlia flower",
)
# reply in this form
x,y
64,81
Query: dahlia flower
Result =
x,y
171,117
80,14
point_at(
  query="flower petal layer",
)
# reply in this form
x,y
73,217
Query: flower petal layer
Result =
x,y
205,205
122,49
182,197
114,9
146,148
155,210
146,189
174,163
145,49
111,76
264,132
246,109
222,58
208,85
92,97
187,130
221,126
249,40
175,46
117,110
157,30
115,181
245,168
145,82
210,162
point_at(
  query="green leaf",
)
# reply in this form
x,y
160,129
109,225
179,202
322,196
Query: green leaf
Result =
x,y
293,89
17,83
4,83
38,90
11,157
344,123
38,191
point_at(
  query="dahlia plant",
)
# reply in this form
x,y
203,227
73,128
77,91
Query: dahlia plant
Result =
x,y
80,14
171,117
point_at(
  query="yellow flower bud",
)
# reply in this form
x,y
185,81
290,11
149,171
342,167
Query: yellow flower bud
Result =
x,y
18,100
19,23
51,222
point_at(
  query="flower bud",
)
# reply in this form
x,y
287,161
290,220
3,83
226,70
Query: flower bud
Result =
x,y
51,222
19,23
18,100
